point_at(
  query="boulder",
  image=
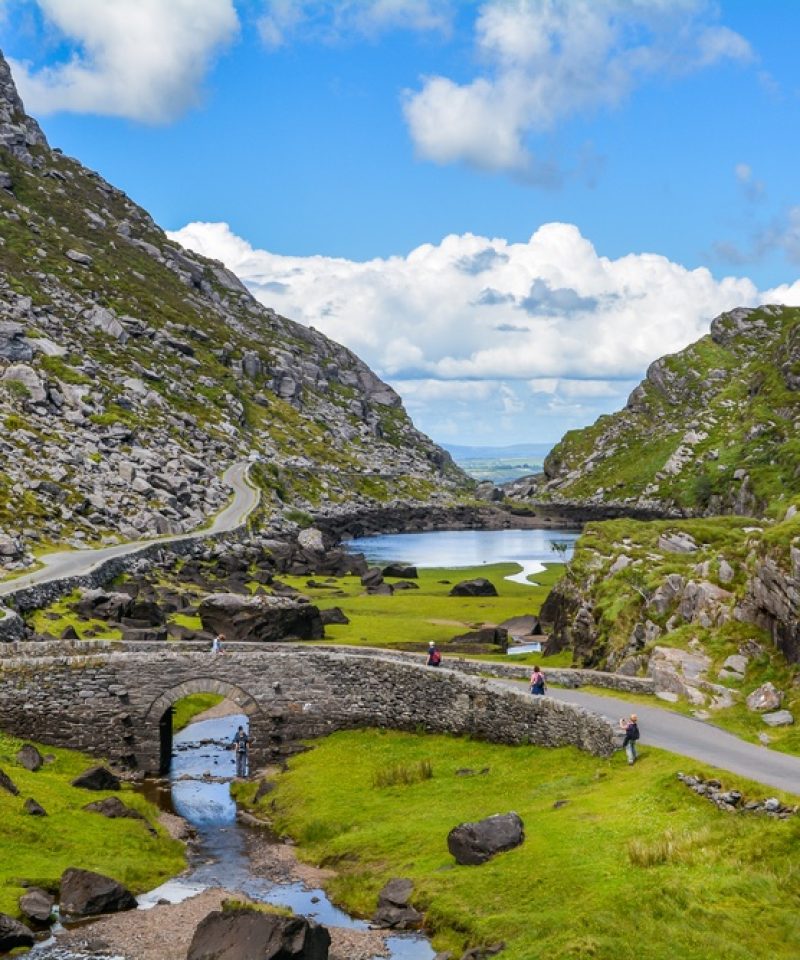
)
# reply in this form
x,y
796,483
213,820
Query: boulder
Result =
x,y
244,934
104,605
372,578
13,934
381,589
260,619
33,808
485,640
97,778
115,809
677,542
7,784
479,587
405,571
30,380
311,539
780,718
37,905
29,757
764,698
474,843
334,615
394,910
84,894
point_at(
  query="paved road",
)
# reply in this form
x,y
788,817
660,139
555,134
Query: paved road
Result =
x,y
69,563
692,738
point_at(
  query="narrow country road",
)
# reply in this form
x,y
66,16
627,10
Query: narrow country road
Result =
x,y
692,738
70,563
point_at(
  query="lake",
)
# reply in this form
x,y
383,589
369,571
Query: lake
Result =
x,y
531,549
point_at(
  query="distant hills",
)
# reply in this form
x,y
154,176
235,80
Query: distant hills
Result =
x,y
514,451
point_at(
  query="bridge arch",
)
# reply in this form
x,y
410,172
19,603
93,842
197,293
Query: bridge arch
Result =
x,y
159,714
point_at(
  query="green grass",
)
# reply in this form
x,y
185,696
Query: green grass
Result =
x,y
38,849
188,708
633,867
409,619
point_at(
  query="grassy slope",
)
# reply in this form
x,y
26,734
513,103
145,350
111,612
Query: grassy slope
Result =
x,y
633,867
188,708
39,849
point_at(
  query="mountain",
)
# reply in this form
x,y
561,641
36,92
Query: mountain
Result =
x,y
710,430
133,371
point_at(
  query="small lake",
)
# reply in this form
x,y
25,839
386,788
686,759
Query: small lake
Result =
x,y
531,549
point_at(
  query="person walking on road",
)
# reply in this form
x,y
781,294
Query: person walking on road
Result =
x,y
434,657
631,728
217,644
538,683
241,744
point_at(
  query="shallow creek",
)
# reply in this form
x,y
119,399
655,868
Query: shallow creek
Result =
x,y
222,855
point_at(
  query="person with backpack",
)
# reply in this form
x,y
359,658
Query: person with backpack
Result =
x,y
538,683
241,744
631,728
434,657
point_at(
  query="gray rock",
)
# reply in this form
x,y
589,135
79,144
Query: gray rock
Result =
x,y
33,808
85,894
255,935
763,698
475,843
479,587
78,256
30,380
37,905
677,542
394,909
260,619
29,757
7,784
97,778
403,571
115,809
780,718
14,934
736,663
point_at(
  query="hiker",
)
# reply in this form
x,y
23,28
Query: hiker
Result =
x,y
241,744
216,644
631,728
434,657
538,683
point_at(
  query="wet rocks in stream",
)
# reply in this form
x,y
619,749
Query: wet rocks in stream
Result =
x,y
14,934
85,894
394,908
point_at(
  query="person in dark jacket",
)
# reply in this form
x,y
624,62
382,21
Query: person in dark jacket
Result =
x,y
241,744
631,728
434,657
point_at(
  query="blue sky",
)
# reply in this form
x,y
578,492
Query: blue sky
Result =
x,y
507,207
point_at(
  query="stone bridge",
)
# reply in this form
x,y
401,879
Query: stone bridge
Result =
x,y
117,704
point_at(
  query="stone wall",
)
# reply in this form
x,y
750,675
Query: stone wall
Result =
x,y
110,704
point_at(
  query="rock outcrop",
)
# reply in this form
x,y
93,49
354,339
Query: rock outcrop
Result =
x,y
83,893
260,619
253,934
475,843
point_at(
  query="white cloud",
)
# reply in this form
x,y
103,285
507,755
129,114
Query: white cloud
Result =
x,y
141,59
548,59
330,20
560,312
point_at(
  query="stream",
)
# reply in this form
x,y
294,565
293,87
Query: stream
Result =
x,y
221,855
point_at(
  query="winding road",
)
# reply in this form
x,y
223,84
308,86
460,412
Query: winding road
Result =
x,y
692,738
71,563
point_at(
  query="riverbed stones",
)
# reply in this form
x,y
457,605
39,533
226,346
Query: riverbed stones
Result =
x,y
85,894
260,619
252,934
29,757
475,843
97,778
14,934
37,905
394,908
764,698
479,587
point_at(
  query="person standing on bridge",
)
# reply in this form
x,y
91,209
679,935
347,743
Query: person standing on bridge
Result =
x,y
631,728
217,644
241,744
434,657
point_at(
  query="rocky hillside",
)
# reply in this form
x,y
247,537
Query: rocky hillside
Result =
x,y
710,430
708,607
132,372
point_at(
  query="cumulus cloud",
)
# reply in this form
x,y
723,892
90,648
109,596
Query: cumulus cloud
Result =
x,y
329,20
565,332
141,59
545,60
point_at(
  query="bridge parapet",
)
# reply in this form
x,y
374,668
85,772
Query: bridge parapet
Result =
x,y
110,703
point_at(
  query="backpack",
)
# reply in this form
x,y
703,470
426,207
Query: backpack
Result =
x,y
633,732
436,658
